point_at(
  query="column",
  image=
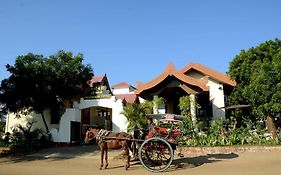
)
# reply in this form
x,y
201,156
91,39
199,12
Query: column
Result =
x,y
193,109
155,106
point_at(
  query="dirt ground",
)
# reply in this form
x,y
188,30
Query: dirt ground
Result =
x,y
68,161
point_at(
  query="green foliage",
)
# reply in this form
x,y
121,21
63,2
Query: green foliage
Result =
x,y
187,125
184,106
4,140
220,134
135,114
25,139
2,127
37,83
69,76
159,101
258,76
2,124
146,107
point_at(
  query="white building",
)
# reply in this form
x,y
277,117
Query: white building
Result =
x,y
101,109
103,106
208,87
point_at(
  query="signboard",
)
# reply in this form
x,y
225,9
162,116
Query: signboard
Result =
x,y
99,92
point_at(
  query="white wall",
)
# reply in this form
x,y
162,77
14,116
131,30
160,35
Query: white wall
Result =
x,y
122,91
217,98
62,134
119,121
13,121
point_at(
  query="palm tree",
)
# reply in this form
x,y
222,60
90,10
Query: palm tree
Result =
x,y
135,115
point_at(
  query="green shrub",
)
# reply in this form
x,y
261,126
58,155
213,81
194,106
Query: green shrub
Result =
x,y
221,134
24,139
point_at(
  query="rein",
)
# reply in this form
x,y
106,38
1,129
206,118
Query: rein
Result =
x,y
102,135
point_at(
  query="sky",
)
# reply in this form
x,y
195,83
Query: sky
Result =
x,y
134,40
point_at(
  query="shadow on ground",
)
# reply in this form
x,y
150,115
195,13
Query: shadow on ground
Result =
x,y
57,153
92,150
187,162
192,162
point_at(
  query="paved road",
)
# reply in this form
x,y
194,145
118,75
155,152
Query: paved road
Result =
x,y
85,161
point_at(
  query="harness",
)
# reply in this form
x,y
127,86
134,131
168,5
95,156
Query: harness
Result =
x,y
102,134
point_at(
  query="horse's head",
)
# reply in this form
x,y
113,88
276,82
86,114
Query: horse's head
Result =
x,y
90,135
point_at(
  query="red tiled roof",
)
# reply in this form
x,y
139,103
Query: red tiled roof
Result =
x,y
95,79
129,98
170,71
121,85
209,72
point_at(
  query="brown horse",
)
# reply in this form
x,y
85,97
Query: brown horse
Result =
x,y
113,140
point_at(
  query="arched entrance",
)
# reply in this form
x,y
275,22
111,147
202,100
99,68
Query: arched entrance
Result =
x,y
96,117
172,96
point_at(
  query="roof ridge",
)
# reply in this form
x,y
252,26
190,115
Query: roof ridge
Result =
x,y
121,84
169,71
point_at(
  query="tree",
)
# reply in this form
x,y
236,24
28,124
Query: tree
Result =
x,y
37,84
184,106
2,122
258,76
135,113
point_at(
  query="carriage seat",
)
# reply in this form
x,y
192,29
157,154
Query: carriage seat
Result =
x,y
169,135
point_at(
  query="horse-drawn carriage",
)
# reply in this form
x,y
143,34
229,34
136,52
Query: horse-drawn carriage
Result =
x,y
155,152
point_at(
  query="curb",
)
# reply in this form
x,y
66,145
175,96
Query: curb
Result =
x,y
228,149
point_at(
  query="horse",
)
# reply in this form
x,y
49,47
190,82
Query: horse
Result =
x,y
112,140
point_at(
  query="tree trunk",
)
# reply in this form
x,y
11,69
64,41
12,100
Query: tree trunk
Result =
x,y
44,121
271,126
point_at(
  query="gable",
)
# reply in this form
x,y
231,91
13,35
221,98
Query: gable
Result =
x,y
99,88
195,74
206,71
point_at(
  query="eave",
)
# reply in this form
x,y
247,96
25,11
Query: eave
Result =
x,y
170,71
209,72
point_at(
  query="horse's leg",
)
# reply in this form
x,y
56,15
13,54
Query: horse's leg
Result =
x,y
135,153
102,155
127,154
106,158
128,158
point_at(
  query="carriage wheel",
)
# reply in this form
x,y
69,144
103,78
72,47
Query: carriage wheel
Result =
x,y
156,154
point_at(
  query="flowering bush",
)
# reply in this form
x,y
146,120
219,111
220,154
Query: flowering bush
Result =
x,y
220,134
